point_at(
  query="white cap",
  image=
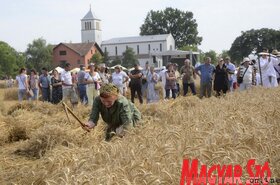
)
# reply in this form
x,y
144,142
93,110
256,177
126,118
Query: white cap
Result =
x,y
246,59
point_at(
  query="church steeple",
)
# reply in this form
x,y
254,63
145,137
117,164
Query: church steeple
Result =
x,y
91,29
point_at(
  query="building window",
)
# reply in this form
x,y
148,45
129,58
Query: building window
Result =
x,y
91,51
116,51
149,47
126,47
97,25
170,48
62,52
138,49
87,25
78,61
105,49
62,63
160,47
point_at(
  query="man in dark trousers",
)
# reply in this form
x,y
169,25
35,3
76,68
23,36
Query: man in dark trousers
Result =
x,y
82,86
135,83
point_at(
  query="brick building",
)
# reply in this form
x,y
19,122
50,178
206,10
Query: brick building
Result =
x,y
74,53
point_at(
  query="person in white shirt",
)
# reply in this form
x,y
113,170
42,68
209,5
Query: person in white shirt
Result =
x,y
145,73
93,81
246,72
119,78
104,75
162,78
268,73
68,89
23,87
277,66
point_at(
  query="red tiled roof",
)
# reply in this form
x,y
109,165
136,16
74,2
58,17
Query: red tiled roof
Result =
x,y
81,48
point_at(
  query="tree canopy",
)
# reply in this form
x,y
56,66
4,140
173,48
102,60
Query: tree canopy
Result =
x,y
96,58
180,24
39,54
116,61
10,60
213,55
129,58
244,44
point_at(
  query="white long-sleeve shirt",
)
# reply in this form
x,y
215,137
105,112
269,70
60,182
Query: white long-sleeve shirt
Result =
x,y
267,66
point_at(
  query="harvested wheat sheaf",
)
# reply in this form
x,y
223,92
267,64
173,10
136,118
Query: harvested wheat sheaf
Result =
x,y
229,130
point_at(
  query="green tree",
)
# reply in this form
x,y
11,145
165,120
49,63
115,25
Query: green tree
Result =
x,y
39,54
180,24
106,58
10,60
116,61
244,44
129,58
189,48
96,58
213,55
224,54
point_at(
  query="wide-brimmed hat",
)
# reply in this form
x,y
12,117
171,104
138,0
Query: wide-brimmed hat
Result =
x,y
275,52
117,67
91,64
246,59
264,53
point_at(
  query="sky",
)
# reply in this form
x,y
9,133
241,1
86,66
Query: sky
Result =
x,y
219,21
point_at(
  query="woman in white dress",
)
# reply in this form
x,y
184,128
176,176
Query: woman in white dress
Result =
x,y
152,78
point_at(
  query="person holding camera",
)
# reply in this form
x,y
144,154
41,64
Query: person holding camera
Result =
x,y
245,75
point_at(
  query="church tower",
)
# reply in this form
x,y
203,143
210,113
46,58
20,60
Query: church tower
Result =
x,y
91,29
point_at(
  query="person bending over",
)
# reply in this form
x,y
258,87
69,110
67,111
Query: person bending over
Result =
x,y
117,112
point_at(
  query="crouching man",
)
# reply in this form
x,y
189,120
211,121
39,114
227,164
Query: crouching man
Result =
x,y
117,112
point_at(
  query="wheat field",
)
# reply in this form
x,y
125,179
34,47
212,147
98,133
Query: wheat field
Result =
x,y
40,146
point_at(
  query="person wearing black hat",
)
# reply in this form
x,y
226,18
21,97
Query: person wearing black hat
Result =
x,y
136,83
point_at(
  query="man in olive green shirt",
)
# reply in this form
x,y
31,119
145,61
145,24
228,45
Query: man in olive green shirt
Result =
x,y
188,73
118,112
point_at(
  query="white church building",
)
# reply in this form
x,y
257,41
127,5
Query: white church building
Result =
x,y
145,47
155,49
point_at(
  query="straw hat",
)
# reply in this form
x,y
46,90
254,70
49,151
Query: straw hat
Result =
x,y
275,52
263,53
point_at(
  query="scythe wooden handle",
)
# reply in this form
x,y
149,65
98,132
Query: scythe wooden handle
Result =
x,y
72,113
